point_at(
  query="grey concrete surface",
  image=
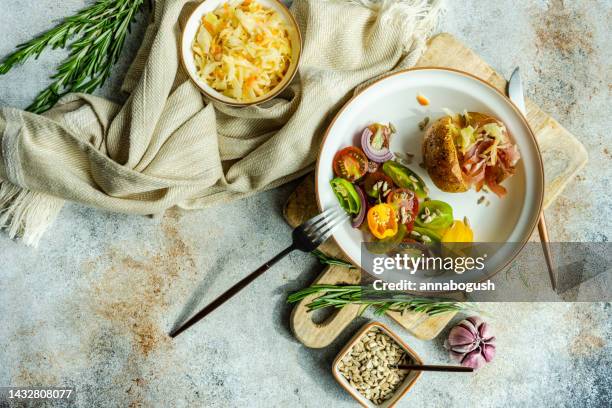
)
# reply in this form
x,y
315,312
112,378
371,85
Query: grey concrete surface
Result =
x,y
90,307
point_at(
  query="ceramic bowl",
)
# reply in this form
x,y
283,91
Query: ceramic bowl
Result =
x,y
190,29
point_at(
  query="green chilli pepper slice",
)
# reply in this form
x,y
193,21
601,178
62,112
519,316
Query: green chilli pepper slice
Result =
x,y
346,194
435,215
403,177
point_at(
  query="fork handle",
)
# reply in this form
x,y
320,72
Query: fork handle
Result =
x,y
228,294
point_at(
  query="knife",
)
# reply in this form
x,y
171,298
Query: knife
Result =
x,y
516,95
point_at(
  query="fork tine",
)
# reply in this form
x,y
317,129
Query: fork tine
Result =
x,y
312,230
316,229
326,231
321,217
327,234
316,218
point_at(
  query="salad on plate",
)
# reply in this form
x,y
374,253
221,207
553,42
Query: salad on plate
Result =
x,y
387,200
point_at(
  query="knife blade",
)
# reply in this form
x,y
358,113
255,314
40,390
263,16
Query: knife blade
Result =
x,y
515,91
516,95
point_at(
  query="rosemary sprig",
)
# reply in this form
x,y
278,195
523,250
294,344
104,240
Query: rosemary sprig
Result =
x,y
329,260
341,295
102,28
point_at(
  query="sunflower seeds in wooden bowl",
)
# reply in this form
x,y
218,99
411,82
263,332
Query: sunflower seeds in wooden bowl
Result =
x,y
365,366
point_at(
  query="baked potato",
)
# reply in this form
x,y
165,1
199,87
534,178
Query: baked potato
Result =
x,y
440,157
469,150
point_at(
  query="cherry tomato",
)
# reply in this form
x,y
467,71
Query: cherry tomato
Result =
x,y
458,232
373,188
435,215
406,204
350,163
403,177
382,221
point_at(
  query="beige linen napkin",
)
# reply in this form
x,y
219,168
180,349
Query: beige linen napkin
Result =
x,y
168,146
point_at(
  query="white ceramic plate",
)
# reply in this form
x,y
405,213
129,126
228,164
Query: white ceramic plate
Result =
x,y
393,99
191,29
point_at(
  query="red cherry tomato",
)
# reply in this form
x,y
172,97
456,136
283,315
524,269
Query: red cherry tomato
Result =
x,y
373,188
350,163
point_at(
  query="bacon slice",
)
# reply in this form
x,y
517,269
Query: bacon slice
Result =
x,y
494,175
479,171
500,191
509,156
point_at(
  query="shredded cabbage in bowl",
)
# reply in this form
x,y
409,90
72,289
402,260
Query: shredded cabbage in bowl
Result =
x,y
242,50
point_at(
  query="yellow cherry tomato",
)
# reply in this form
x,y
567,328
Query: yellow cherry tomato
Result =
x,y
459,231
382,221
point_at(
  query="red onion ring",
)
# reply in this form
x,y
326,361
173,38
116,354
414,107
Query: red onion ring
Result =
x,y
378,156
358,219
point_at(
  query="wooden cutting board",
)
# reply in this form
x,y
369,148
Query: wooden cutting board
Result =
x,y
563,157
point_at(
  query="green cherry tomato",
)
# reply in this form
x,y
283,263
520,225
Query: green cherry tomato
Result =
x,y
403,177
426,235
435,215
346,194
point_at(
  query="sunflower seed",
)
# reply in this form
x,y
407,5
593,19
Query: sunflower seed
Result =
x,y
423,123
404,215
372,166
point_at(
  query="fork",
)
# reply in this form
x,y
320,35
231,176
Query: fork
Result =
x,y
306,238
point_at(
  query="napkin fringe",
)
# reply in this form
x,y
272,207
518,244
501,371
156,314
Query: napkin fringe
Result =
x,y
26,214
416,18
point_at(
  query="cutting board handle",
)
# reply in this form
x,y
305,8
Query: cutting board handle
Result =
x,y
319,335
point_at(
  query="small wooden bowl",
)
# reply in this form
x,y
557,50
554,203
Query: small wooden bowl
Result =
x,y
403,388
190,29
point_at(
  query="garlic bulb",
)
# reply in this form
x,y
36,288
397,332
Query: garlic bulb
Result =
x,y
471,343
